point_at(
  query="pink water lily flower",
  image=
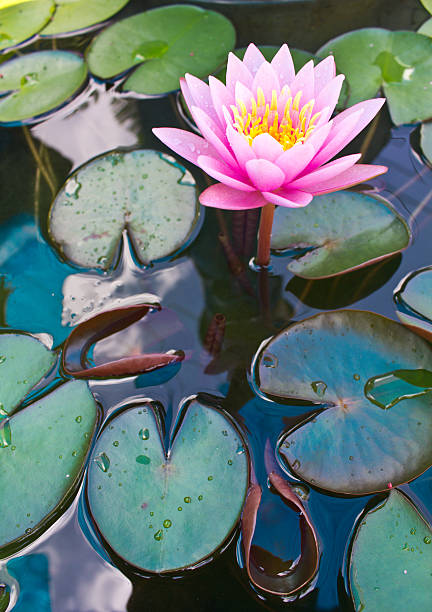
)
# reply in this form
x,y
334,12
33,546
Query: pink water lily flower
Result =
x,y
268,135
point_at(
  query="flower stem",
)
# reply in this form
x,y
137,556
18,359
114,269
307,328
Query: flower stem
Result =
x,y
264,234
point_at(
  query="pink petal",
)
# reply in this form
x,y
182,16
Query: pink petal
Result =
x,y
369,107
240,146
325,71
243,94
220,96
319,135
357,174
237,71
294,160
304,82
223,173
329,95
325,173
187,144
253,58
264,175
266,147
213,134
283,65
201,96
292,198
267,79
339,137
221,196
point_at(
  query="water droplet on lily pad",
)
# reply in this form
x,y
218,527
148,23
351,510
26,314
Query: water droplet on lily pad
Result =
x,y
103,462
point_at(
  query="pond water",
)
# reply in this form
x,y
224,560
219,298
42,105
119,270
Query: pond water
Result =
x,y
61,571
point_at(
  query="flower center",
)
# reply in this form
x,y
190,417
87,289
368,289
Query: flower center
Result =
x,y
286,122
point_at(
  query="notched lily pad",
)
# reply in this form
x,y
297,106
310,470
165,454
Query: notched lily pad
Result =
x,y
341,361
75,15
31,85
164,43
50,436
398,62
337,233
22,20
164,510
413,300
145,191
391,557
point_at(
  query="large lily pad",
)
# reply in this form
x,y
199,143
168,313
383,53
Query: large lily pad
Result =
x,y
74,15
413,299
34,84
163,510
164,43
398,62
391,557
339,232
341,361
426,140
21,21
51,436
147,192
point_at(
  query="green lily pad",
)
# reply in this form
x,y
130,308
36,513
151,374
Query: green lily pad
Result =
x,y
342,362
391,558
399,63
427,4
33,84
51,436
426,140
74,15
21,21
164,43
145,191
426,28
167,510
339,232
413,300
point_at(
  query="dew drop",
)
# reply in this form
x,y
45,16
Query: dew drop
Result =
x,y
356,376
2,359
210,478
78,419
319,387
167,523
5,433
72,188
103,462
158,535
302,491
296,464
240,449
187,500
229,462
31,78
116,443
269,361
427,540
144,434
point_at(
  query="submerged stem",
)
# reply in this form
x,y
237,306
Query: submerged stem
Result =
x,y
264,235
38,160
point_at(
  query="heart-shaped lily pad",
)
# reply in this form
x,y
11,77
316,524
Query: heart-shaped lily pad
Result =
x,y
391,558
164,43
398,62
22,20
74,15
341,361
413,300
36,83
338,232
167,510
42,446
426,140
145,191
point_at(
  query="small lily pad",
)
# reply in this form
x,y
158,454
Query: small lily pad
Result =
x,y
163,510
75,15
341,361
398,62
36,83
21,21
391,557
164,43
426,140
51,436
338,232
413,300
145,191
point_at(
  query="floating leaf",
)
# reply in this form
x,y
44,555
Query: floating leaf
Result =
x,y
413,300
339,232
426,140
100,326
398,62
279,580
426,28
147,192
427,4
37,83
164,43
351,445
166,510
391,557
21,21
51,436
73,15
